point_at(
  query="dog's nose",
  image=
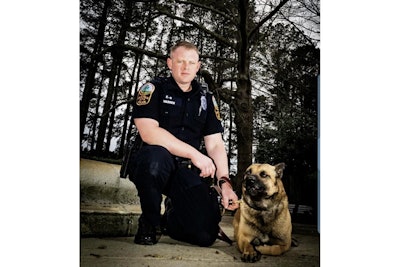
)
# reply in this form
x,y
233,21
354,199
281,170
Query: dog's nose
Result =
x,y
253,186
250,179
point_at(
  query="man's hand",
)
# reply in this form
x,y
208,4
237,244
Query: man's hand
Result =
x,y
229,197
205,164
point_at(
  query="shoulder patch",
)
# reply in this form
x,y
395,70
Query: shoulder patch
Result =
x,y
144,94
216,109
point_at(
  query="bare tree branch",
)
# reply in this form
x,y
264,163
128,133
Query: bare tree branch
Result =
x,y
233,61
268,17
229,18
297,28
218,37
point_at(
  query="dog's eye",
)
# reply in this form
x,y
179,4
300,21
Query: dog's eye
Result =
x,y
248,172
264,174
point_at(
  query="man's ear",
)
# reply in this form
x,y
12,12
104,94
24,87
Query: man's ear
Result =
x,y
169,63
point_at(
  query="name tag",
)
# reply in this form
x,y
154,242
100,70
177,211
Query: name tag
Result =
x,y
173,101
170,102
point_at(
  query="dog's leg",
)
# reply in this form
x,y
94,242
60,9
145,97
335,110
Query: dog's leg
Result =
x,y
249,254
273,250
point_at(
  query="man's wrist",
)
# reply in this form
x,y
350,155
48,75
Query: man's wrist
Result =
x,y
224,180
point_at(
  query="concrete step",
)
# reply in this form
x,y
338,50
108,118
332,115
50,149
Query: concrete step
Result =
x,y
108,219
100,183
109,204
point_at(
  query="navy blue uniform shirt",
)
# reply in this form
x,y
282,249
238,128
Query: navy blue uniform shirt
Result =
x,y
189,116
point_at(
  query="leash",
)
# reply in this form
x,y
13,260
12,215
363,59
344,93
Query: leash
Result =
x,y
221,234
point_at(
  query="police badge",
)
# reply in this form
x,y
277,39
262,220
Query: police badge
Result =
x,y
144,94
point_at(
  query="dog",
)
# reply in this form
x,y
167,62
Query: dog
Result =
x,y
262,223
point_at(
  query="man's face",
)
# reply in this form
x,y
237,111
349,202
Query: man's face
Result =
x,y
184,64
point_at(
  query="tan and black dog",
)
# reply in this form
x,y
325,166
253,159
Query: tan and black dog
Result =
x,y
262,224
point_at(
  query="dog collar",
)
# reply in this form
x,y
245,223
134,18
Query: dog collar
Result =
x,y
257,208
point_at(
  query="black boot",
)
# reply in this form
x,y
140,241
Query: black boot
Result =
x,y
146,233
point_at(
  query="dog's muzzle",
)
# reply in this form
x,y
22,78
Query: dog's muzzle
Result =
x,y
253,186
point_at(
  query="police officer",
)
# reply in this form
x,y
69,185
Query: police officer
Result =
x,y
174,116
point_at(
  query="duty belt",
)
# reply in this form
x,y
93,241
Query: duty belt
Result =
x,y
184,163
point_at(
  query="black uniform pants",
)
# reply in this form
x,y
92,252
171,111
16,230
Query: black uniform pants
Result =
x,y
195,213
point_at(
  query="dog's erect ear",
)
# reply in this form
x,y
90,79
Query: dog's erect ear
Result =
x,y
279,170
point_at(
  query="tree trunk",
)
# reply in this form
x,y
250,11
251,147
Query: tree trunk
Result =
x,y
127,132
94,127
107,105
124,135
117,54
242,101
90,78
112,115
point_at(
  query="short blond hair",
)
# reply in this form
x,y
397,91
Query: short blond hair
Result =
x,y
185,44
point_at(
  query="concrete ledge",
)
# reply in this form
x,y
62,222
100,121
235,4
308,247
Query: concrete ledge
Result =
x,y
109,220
100,183
109,204
108,224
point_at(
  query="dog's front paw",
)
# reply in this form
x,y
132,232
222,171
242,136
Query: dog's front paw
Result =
x,y
251,255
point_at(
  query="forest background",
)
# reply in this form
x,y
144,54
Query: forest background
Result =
x,y
260,59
